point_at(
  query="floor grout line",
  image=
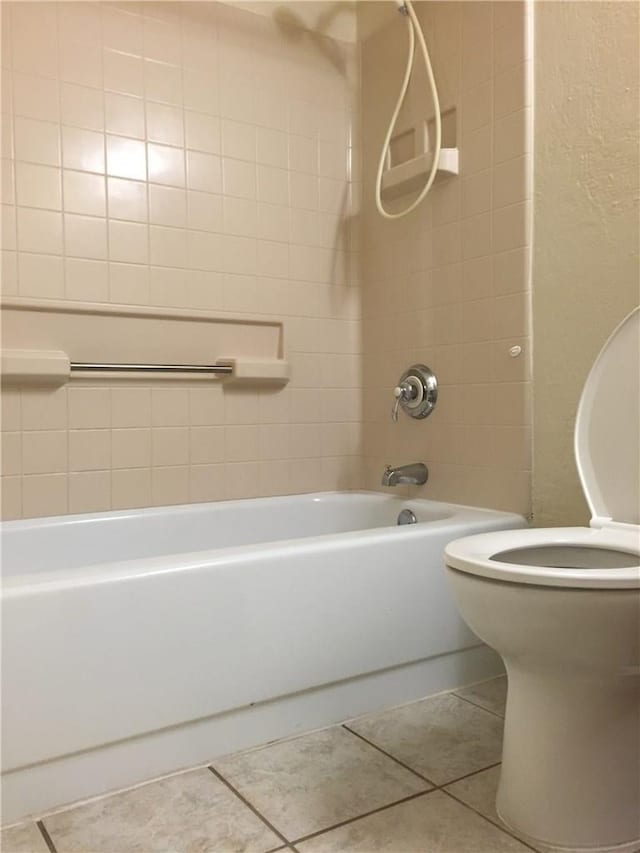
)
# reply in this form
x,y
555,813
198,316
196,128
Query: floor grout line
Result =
x,y
435,785
489,820
362,816
44,832
392,757
475,705
249,805
473,773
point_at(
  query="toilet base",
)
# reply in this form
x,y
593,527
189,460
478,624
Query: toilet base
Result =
x,y
570,774
571,760
630,847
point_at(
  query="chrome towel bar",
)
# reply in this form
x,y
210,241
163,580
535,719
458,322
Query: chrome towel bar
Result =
x,y
151,368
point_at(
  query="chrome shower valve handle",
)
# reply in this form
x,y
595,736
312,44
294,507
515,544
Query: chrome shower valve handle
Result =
x,y
416,392
402,393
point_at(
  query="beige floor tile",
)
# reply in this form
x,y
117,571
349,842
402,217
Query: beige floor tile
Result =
x,y
443,737
479,792
191,812
318,780
491,694
25,838
433,823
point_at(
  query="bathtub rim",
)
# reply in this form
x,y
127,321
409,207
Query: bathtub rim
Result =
x,y
12,585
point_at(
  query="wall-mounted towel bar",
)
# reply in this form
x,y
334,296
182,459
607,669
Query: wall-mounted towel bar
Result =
x,y
151,368
55,368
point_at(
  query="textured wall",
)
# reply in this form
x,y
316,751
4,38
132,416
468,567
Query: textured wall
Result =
x,y
585,266
449,284
187,155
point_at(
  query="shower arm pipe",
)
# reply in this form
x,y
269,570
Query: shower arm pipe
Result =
x,y
406,8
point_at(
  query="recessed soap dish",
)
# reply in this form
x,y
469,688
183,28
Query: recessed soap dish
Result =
x,y
410,156
410,176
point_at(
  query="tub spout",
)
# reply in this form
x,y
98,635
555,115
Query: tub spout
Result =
x,y
415,474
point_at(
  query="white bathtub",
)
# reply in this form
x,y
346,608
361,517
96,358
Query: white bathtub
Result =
x,y
136,643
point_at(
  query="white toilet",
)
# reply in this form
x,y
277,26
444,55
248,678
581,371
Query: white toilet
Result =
x,y
562,607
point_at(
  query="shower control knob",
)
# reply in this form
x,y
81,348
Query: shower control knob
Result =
x,y
416,392
400,392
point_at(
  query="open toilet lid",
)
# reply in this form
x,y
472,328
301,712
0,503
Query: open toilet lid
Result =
x,y
607,432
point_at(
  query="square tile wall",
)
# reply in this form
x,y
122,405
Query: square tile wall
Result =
x,y
195,155
449,285
188,155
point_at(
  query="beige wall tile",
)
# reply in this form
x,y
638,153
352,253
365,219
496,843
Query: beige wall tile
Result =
x,y
170,485
37,141
511,226
206,445
128,242
11,453
202,132
89,449
38,186
11,497
38,231
86,280
510,90
131,448
44,494
11,409
167,206
90,491
169,446
171,164
35,97
126,158
165,124
41,409
124,115
82,150
166,165
84,193
82,106
130,488
89,408
127,199
128,284
40,275
44,452
85,236
123,73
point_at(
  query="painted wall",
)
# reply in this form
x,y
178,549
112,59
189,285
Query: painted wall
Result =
x,y
585,264
191,156
449,284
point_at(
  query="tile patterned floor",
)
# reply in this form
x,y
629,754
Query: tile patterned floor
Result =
x,y
416,779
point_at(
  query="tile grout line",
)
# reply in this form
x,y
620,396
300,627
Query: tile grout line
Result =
x,y
435,785
499,826
468,775
393,758
249,805
47,838
475,705
350,820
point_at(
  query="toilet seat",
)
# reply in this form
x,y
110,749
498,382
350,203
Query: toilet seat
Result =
x,y
480,555
605,555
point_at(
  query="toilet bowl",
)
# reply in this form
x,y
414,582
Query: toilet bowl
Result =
x,y
562,608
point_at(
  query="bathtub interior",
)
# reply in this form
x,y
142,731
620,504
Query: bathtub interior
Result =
x,y
73,542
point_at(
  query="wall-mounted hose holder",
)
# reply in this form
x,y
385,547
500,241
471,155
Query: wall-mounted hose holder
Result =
x,y
416,392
